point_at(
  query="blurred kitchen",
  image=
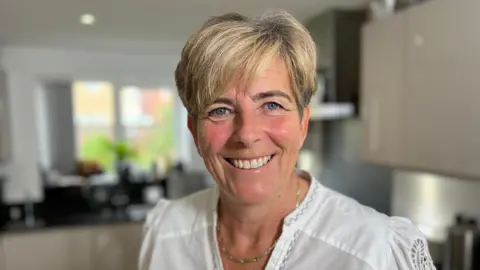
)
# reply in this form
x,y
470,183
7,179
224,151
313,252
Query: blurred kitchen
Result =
x,y
93,134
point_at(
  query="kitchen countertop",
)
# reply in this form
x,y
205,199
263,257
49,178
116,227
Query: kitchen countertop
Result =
x,y
78,220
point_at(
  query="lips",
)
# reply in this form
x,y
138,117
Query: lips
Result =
x,y
248,164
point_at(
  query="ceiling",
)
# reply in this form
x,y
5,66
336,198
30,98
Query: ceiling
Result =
x,y
134,25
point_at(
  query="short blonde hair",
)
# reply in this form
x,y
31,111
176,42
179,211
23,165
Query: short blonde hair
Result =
x,y
233,47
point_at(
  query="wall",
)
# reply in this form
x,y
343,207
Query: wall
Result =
x,y
22,172
343,170
61,135
27,67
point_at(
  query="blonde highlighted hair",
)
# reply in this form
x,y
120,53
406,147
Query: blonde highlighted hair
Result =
x,y
233,48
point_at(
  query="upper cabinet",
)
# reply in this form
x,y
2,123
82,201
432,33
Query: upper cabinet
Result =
x,y
337,36
382,91
419,88
5,136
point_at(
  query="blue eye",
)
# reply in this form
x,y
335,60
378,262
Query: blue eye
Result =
x,y
219,112
272,106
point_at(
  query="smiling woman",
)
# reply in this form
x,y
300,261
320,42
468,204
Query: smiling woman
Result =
x,y
246,85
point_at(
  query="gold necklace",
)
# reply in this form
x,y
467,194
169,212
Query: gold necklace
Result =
x,y
265,252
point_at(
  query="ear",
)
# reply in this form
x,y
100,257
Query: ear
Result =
x,y
304,124
193,130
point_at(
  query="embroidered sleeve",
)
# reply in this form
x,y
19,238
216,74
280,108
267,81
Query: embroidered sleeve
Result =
x,y
420,257
408,248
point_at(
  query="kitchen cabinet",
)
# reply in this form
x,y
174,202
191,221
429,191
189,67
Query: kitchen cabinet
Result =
x,y
116,247
103,247
382,91
419,88
337,37
2,254
442,106
47,250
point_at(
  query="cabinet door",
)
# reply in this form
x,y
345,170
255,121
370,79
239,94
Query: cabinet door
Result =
x,y
383,90
47,250
77,245
2,254
117,247
321,29
442,109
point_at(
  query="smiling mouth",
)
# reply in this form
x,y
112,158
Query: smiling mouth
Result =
x,y
248,164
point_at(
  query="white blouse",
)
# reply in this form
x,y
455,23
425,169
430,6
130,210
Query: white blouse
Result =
x,y
328,231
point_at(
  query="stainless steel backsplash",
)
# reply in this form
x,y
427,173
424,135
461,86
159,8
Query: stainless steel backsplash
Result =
x,y
432,201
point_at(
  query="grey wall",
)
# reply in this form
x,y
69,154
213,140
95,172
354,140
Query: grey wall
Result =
x,y
61,131
343,171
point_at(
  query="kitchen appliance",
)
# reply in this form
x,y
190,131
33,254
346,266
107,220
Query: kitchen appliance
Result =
x,y
463,245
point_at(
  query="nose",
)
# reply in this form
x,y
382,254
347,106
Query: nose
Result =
x,y
247,129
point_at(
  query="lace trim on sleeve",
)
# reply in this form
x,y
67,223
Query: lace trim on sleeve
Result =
x,y
420,257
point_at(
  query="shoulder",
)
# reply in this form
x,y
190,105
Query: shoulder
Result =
x,y
173,220
407,246
381,241
171,217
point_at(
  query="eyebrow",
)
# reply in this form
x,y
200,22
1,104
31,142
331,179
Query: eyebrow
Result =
x,y
272,93
225,101
256,97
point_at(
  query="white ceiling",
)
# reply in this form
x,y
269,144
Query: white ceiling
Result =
x,y
134,25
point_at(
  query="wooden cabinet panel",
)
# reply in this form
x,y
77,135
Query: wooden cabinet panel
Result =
x,y
116,247
47,250
109,247
2,254
420,97
78,246
442,106
29,251
382,91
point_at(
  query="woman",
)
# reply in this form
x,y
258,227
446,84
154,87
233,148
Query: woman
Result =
x,y
246,85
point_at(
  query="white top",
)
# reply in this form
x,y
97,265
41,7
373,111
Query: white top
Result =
x,y
327,231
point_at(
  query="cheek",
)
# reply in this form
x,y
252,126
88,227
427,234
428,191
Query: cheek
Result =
x,y
213,137
285,131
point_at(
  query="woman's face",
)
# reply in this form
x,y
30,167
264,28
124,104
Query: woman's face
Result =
x,y
250,137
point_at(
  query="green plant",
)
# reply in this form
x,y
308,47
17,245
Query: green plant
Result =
x,y
123,150
106,151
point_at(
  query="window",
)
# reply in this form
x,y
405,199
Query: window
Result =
x,y
94,121
147,122
140,119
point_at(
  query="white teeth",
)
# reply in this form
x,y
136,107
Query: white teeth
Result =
x,y
260,162
251,164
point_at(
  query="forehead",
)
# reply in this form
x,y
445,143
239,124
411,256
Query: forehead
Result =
x,y
274,76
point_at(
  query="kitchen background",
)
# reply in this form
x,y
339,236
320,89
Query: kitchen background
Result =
x,y
92,132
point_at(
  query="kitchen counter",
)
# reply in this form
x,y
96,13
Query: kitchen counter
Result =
x,y
84,242
132,215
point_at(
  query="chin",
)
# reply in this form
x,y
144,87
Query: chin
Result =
x,y
251,192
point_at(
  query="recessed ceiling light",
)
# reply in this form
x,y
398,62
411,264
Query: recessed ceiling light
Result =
x,y
87,19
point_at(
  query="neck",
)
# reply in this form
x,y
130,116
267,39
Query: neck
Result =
x,y
249,225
